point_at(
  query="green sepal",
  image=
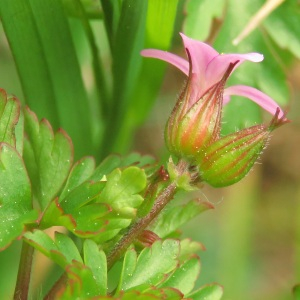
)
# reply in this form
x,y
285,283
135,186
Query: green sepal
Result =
x,y
183,181
230,158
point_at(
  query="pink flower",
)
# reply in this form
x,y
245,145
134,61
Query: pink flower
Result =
x,y
193,129
208,67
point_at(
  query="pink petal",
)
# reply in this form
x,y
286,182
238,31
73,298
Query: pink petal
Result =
x,y
201,54
217,67
226,98
255,95
171,58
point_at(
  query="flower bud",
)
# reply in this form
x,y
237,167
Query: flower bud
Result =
x,y
192,127
193,130
229,159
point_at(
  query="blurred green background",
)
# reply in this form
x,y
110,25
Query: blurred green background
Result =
x,y
252,236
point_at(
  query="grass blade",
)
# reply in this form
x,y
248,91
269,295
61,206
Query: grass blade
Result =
x,y
39,35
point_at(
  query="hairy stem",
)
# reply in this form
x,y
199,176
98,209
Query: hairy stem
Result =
x,y
23,279
141,224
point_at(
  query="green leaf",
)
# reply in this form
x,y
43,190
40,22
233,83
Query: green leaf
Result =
x,y
283,25
208,10
91,7
9,117
88,279
84,279
11,121
184,277
99,209
77,213
80,172
141,161
80,284
111,11
207,292
106,166
19,134
55,216
122,188
82,204
188,248
95,259
151,293
48,157
128,42
121,193
112,162
161,16
129,265
42,46
150,267
15,196
22,34
67,247
62,250
177,215
151,72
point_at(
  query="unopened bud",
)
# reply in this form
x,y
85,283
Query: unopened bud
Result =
x,y
229,159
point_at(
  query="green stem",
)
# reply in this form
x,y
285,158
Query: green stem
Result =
x,y
23,279
141,224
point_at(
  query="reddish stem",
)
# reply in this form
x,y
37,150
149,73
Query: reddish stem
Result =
x,y
23,279
141,224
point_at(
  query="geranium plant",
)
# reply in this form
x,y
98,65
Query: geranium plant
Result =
x,y
115,216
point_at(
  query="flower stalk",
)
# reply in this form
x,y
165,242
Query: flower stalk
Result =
x,y
141,224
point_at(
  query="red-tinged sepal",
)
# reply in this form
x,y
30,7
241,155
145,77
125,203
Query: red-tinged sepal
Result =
x,y
196,124
229,159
